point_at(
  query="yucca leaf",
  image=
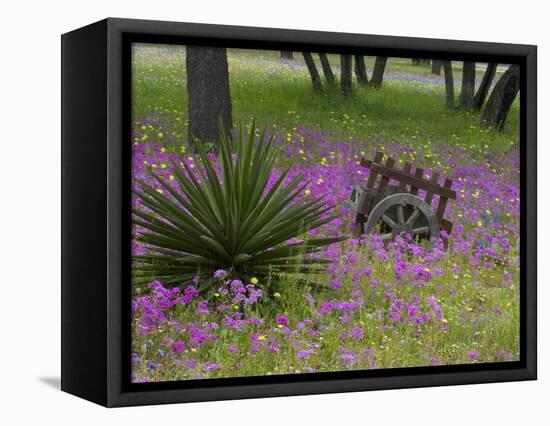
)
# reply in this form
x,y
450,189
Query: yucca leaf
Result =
x,y
172,212
187,229
293,249
170,243
269,212
240,258
183,260
215,246
237,224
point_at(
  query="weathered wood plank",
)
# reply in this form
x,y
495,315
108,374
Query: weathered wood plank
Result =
x,y
381,193
373,175
419,172
414,181
430,195
371,181
440,213
446,225
406,170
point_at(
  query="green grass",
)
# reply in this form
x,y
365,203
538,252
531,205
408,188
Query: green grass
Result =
x,y
480,306
483,319
281,98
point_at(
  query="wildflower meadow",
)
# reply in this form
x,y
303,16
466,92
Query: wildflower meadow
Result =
x,y
246,260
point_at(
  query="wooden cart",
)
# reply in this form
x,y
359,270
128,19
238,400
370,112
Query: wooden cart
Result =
x,y
398,209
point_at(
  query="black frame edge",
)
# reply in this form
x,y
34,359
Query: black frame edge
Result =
x,y
83,213
112,298
530,206
282,39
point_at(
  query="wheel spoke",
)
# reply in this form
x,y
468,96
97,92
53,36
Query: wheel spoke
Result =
x,y
421,230
388,221
400,214
412,218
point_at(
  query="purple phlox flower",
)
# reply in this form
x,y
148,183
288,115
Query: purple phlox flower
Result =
x,y
177,346
472,355
335,284
135,358
211,366
220,274
304,353
190,363
347,357
282,320
202,309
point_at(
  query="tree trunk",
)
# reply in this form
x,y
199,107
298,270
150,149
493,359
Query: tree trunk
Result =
x,y
327,70
209,100
345,74
378,71
286,55
501,99
449,85
468,85
313,73
436,67
361,70
483,89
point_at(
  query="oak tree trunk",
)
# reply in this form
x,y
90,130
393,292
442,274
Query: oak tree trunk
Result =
x,y
286,55
345,74
209,100
361,70
468,85
313,73
449,84
501,99
436,67
327,70
378,71
485,85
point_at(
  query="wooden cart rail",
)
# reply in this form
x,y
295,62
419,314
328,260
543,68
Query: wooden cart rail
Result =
x,y
407,183
407,179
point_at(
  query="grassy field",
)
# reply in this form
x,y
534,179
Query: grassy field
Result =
x,y
279,96
405,304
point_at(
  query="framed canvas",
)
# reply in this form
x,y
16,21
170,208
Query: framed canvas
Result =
x,y
254,212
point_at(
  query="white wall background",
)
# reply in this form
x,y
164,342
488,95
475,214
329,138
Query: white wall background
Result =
x,y
30,211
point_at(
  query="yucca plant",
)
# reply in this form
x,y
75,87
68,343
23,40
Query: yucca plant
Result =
x,y
232,221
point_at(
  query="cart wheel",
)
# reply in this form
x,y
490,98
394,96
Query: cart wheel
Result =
x,y
402,214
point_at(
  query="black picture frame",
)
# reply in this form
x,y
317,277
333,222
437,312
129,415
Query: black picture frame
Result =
x,y
96,219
